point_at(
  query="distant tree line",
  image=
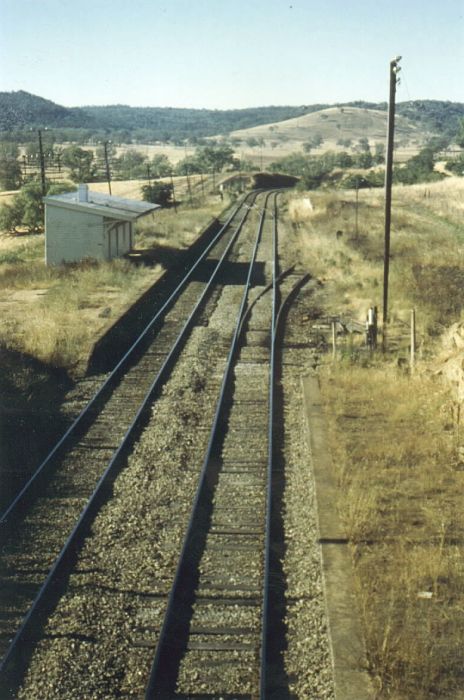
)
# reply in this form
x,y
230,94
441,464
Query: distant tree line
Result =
x,y
20,112
82,165
361,169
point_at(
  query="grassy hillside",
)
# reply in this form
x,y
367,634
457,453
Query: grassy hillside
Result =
x,y
334,124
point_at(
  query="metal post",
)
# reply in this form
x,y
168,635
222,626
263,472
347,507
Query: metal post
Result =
x,y
394,69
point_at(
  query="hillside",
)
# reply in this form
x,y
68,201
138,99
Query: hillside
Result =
x,y
335,124
20,111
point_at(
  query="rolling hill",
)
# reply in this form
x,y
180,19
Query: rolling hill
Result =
x,y
21,111
333,125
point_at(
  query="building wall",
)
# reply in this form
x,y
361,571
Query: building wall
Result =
x,y
71,236
117,239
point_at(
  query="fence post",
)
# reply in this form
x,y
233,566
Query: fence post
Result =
x,y
371,328
334,339
413,338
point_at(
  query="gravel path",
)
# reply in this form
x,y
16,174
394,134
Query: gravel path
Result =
x,y
308,659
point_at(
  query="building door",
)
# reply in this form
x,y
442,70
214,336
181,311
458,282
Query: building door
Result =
x,y
112,243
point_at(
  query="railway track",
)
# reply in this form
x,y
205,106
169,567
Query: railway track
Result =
x,y
35,527
241,477
213,639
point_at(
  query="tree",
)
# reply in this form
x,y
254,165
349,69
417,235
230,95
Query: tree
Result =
x,y
420,168
460,134
80,163
363,144
456,165
344,142
161,166
214,158
379,154
364,159
344,160
10,169
158,193
188,166
316,140
131,164
27,209
251,141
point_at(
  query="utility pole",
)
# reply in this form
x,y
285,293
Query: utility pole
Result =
x,y
394,70
42,165
202,186
107,165
173,193
189,188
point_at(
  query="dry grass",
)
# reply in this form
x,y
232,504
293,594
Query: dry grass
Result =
x,y
400,491
55,314
393,436
425,219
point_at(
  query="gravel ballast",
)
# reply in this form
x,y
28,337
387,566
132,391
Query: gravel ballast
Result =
x,y
99,642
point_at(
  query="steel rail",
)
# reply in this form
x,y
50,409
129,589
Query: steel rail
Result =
x,y
263,679
18,504
162,675
13,662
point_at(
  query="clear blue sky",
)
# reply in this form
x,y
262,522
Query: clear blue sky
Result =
x,y
231,53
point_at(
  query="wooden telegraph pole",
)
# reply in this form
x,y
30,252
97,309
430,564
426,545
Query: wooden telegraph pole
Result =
x,y
107,165
394,70
42,165
173,193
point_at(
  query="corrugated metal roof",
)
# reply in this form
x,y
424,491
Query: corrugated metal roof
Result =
x,y
104,204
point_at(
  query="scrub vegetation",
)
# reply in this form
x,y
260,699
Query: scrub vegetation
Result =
x,y
55,314
395,435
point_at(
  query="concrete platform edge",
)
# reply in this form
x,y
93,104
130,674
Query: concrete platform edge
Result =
x,y
351,679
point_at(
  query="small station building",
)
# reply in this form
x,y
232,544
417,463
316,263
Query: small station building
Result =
x,y
85,224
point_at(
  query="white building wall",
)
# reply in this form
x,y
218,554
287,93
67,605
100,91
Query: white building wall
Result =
x,y
118,238
71,235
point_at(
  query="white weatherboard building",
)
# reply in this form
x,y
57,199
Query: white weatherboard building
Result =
x,y
86,224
